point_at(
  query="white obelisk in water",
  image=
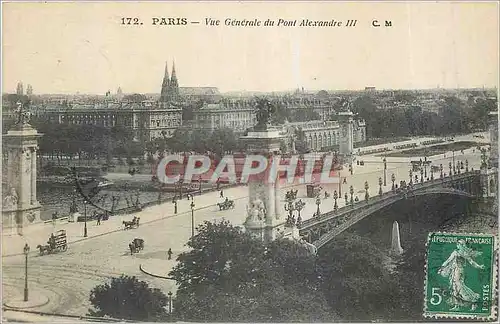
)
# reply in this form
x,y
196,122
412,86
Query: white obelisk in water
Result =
x,y
396,248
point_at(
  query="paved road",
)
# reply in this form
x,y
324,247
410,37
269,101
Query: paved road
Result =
x,y
68,277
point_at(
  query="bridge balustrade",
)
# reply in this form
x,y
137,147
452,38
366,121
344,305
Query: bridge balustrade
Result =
x,y
389,195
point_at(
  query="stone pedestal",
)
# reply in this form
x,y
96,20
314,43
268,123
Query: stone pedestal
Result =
x,y
20,205
489,184
265,219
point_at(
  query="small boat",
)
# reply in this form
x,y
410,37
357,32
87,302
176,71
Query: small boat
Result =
x,y
104,184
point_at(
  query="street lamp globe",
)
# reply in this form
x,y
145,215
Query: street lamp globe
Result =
x,y
26,248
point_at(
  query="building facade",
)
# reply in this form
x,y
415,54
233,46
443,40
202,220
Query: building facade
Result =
x,y
323,135
148,120
237,115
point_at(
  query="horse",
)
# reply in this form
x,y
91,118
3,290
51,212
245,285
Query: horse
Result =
x,y
43,248
132,248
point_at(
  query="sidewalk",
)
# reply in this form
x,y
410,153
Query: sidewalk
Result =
x,y
12,244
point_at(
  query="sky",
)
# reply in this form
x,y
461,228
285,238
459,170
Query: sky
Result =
x,y
82,47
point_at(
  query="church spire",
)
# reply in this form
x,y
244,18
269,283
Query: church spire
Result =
x,y
166,76
174,76
165,85
174,84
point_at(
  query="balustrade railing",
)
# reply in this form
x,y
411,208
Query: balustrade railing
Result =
x,y
401,192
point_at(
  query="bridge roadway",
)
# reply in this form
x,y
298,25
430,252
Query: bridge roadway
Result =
x,y
320,230
66,278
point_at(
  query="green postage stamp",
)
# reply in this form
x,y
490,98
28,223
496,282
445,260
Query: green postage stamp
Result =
x,y
460,276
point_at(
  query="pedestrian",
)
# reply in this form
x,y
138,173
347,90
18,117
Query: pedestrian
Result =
x,y
222,193
169,254
99,219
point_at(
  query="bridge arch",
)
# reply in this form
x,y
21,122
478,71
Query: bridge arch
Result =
x,y
332,224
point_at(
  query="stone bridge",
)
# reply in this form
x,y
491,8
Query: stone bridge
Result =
x,y
320,230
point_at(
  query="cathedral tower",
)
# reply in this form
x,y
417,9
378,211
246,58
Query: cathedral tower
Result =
x,y
165,86
174,85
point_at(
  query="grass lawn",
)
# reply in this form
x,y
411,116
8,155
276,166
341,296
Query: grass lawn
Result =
x,y
378,141
434,150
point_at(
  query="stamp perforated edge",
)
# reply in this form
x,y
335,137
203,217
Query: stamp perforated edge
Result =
x,y
494,309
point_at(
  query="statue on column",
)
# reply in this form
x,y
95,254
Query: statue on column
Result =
x,y
264,110
23,117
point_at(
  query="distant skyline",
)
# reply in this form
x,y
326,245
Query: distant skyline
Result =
x,y
66,48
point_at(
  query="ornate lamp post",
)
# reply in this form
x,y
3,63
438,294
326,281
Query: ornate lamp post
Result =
x,y
380,186
351,191
26,250
422,176
453,162
346,199
335,197
393,179
425,167
411,176
179,188
299,205
441,170
174,201
385,171
85,219
192,218
466,165
367,195
484,164
318,202
290,208
169,302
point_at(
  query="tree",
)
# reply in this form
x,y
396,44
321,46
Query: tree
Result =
x,y
356,292
223,140
127,298
410,278
135,97
304,114
300,142
230,276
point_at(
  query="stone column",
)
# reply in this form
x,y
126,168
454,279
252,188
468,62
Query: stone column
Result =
x,y
33,175
396,248
277,203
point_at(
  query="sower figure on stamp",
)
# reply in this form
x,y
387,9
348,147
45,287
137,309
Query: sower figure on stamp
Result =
x,y
454,269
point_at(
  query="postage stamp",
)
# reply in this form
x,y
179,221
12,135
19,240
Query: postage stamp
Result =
x,y
460,276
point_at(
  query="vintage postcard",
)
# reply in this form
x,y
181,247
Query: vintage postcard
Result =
x,y
244,161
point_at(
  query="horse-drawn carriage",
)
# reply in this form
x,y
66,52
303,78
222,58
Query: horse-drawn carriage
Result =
x,y
227,204
134,223
136,245
56,243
